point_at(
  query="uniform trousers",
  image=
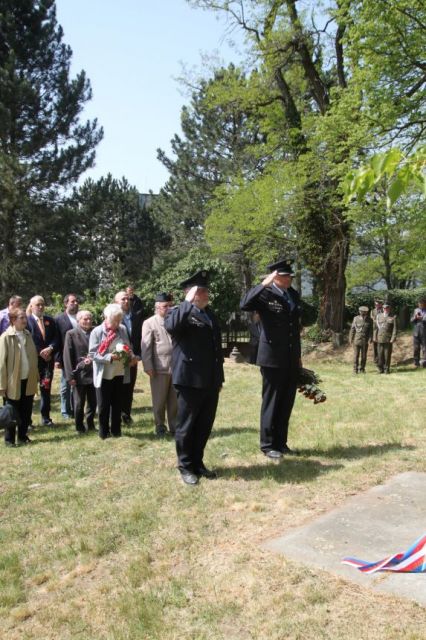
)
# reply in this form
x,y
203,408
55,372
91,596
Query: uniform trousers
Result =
x,y
360,356
279,388
384,353
127,394
108,396
24,407
194,422
84,396
45,370
163,398
375,353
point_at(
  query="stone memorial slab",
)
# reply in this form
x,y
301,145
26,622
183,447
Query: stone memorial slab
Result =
x,y
383,521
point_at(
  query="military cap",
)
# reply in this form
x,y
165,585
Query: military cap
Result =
x,y
163,297
199,279
363,309
282,267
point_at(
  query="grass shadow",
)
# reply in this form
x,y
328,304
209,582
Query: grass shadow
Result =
x,y
231,431
288,470
360,451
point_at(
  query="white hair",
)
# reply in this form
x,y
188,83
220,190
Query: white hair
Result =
x,y
113,310
82,313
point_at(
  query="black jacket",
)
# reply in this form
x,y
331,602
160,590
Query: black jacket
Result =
x,y
63,325
279,343
51,337
197,359
76,347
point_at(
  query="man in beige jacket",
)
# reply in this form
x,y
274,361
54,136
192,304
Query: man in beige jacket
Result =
x,y
156,360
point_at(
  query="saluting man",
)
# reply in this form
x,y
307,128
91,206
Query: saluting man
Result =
x,y
279,354
197,374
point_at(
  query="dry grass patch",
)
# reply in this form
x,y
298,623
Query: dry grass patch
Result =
x,y
100,540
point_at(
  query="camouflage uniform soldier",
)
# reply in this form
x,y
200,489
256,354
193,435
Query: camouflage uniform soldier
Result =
x,y
360,335
378,308
386,334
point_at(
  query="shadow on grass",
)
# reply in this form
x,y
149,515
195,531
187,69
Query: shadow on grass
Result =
x,y
231,431
360,451
407,369
288,470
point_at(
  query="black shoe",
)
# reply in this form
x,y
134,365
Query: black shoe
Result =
x,y
203,472
188,477
91,427
126,418
290,452
274,455
25,440
48,422
160,430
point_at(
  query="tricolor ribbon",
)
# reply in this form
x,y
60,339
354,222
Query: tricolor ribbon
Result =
x,y
412,561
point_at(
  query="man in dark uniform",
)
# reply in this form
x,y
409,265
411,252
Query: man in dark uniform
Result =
x,y
360,335
197,374
278,305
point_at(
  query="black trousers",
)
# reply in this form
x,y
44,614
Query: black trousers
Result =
x,y
278,394
109,407
24,407
84,396
128,389
45,370
195,416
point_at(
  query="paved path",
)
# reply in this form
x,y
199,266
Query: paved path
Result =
x,y
380,522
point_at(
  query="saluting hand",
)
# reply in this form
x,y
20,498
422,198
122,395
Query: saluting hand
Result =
x,y
269,278
191,294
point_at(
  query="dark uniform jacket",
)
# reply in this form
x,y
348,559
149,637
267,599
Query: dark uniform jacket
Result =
x,y
279,344
197,359
76,347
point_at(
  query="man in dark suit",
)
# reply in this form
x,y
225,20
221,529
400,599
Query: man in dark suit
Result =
x,y
135,302
78,371
279,354
44,333
65,322
197,374
132,320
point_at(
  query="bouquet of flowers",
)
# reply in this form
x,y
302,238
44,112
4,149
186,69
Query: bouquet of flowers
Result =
x,y
124,352
308,385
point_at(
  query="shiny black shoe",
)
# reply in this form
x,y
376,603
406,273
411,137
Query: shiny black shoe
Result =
x,y
188,477
290,452
25,440
203,472
48,422
273,455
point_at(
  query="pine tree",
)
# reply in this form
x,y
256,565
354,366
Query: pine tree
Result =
x,y
44,145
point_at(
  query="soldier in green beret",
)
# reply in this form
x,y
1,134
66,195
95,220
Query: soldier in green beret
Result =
x,y
360,335
386,335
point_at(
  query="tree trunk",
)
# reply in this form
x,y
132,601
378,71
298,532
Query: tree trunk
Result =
x,y
332,288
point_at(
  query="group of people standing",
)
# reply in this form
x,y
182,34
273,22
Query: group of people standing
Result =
x,y
181,351
98,365
381,329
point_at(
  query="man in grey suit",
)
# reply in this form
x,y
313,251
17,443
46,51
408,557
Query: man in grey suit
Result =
x,y
156,360
78,371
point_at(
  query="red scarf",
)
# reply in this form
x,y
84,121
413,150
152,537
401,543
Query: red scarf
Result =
x,y
111,335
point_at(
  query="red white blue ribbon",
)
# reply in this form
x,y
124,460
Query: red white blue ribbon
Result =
x,y
412,561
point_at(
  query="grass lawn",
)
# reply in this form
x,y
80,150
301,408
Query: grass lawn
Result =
x,y
101,539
